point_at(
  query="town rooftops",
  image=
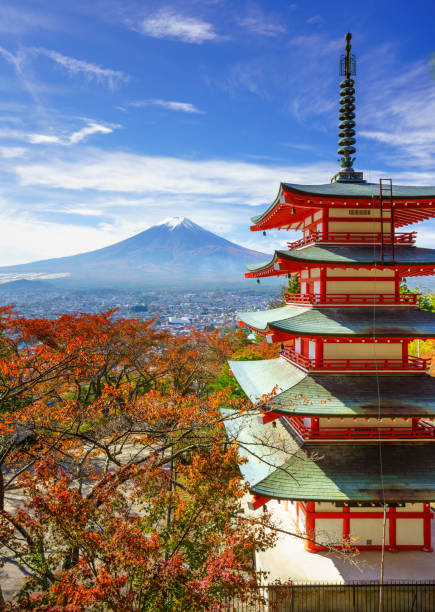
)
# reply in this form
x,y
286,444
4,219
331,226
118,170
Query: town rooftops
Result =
x,y
334,322
291,391
278,467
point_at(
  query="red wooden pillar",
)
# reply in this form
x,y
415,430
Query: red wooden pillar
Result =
x,y
405,352
325,223
310,526
319,352
314,426
392,523
397,286
322,279
427,541
346,526
415,421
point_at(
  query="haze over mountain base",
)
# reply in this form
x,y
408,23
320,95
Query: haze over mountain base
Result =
x,y
176,251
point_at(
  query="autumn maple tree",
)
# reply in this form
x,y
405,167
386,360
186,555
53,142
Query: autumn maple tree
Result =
x,y
118,487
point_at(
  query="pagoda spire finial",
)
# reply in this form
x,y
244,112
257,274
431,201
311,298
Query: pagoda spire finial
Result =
x,y
346,125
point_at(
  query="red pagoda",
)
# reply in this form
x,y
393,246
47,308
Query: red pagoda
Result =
x,y
355,406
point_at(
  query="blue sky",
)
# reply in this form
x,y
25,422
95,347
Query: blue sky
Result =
x,y
115,115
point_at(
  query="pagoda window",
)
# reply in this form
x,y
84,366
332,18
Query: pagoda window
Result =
x,y
297,345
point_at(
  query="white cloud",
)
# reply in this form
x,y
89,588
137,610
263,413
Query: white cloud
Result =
x,y
258,24
168,24
43,139
400,115
14,60
92,128
184,107
16,19
71,139
11,152
130,173
89,70
14,276
315,19
21,243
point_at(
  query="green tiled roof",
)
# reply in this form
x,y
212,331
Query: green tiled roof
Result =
x,y
335,395
351,190
261,318
363,322
351,255
332,472
360,190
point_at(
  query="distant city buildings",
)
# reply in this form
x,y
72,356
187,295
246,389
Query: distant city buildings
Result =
x,y
177,312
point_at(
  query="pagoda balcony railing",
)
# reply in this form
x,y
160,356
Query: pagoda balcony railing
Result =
x,y
410,363
360,238
421,432
353,299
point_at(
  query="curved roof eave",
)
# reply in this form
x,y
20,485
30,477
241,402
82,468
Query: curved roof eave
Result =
x,y
290,391
281,468
390,322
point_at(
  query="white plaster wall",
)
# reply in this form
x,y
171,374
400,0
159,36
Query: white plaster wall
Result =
x,y
409,531
349,422
304,274
315,272
364,227
345,212
366,509
375,286
329,531
416,507
326,507
358,350
368,529
318,215
376,273
291,509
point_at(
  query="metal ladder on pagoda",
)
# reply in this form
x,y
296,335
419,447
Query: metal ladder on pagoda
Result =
x,y
386,198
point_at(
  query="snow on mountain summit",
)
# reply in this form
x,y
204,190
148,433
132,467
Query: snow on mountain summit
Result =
x,y
173,222
176,250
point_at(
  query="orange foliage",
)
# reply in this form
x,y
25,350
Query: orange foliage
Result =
x,y
132,494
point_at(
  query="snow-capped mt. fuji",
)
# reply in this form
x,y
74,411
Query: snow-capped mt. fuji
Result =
x,y
176,251
174,222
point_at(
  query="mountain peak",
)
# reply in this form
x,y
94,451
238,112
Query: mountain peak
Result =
x,y
172,222
176,250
